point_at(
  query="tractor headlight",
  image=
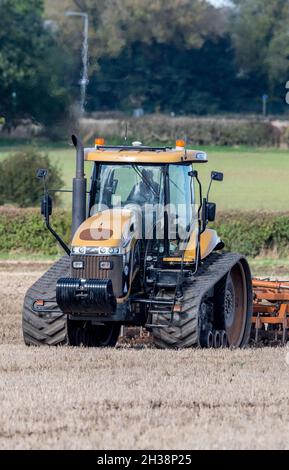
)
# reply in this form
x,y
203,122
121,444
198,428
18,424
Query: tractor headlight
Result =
x,y
78,264
92,250
108,251
106,265
79,250
202,156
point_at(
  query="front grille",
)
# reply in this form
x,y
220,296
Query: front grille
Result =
x,y
92,270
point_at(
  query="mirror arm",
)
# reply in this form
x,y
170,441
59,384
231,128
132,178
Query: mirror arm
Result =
x,y
58,238
202,207
204,214
209,189
200,193
52,231
41,174
215,176
197,254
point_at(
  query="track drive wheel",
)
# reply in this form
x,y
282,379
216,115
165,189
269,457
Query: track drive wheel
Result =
x,y
235,302
209,320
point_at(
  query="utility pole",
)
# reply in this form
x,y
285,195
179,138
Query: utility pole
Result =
x,y
84,80
264,102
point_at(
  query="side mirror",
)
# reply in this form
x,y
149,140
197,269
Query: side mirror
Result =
x,y
41,173
208,213
46,206
211,211
217,176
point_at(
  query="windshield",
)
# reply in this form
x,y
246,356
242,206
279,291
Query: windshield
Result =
x,y
117,185
143,185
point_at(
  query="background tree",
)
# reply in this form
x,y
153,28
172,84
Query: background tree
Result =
x,y
180,55
115,24
260,32
160,77
32,65
18,182
143,53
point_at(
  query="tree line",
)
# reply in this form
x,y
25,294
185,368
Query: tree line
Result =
x,y
172,56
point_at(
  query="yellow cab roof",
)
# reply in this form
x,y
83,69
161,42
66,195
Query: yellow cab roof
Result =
x,y
143,155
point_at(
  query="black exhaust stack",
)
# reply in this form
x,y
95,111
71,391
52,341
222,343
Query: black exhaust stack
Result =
x,y
79,188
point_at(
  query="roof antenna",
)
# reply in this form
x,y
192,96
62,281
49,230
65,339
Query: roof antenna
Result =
x,y
125,135
186,144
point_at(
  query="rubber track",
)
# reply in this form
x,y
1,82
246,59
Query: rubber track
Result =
x,y
184,331
48,329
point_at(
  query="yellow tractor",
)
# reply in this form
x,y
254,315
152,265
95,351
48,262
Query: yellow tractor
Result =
x,y
142,255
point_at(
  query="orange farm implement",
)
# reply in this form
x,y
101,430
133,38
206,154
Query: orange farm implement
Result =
x,y
271,310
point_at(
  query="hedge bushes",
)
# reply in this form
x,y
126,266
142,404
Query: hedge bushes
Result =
x,y
226,132
23,231
254,233
198,131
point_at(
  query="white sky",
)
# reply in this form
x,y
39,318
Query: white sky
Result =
x,y
219,3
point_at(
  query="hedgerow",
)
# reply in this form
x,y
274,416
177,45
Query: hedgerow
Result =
x,y
252,233
24,231
197,131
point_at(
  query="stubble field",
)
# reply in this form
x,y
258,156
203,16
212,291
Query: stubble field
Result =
x,y
134,398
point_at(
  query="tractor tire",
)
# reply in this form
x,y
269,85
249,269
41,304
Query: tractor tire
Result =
x,y
45,327
233,303
85,334
182,330
229,308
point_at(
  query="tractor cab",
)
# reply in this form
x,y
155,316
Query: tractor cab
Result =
x,y
156,185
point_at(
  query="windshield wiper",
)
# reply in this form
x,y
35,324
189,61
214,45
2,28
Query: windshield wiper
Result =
x,y
145,180
176,186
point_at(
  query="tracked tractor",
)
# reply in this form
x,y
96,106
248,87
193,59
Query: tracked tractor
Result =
x,y
141,254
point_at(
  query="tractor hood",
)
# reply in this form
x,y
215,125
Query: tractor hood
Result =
x,y
110,228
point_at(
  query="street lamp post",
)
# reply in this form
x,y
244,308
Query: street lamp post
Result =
x,y
84,79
